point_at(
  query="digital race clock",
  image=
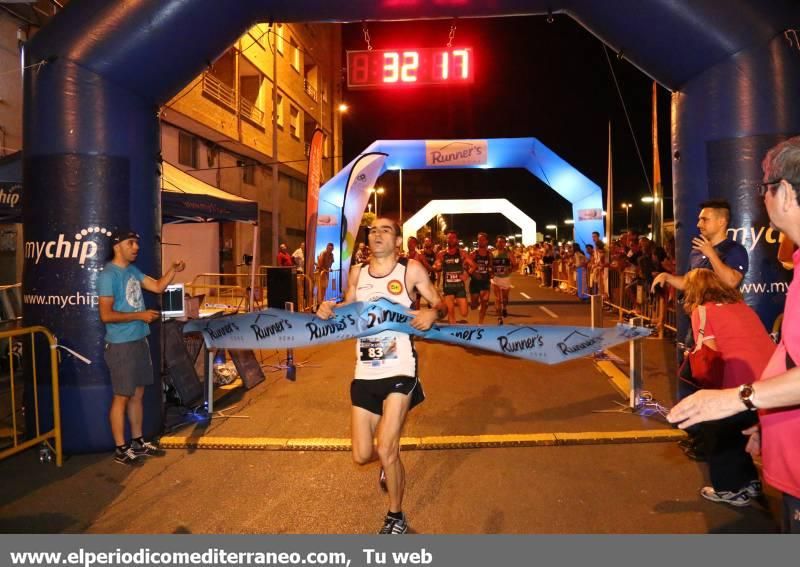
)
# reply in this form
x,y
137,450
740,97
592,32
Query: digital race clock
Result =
x,y
409,67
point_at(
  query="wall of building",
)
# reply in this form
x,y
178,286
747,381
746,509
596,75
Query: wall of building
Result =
x,y
229,112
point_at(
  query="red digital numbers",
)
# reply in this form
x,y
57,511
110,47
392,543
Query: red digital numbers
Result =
x,y
409,67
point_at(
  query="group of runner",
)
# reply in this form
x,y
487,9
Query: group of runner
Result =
x,y
484,268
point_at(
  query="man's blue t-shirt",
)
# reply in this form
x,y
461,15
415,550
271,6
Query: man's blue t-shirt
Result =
x,y
123,284
731,253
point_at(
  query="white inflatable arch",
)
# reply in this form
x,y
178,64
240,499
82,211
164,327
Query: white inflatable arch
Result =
x,y
473,206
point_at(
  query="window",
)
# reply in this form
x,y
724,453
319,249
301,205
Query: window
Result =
x,y
324,91
187,149
249,172
297,189
279,38
279,111
295,55
294,121
299,232
326,147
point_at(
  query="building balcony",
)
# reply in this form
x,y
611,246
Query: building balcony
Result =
x,y
310,90
219,91
250,111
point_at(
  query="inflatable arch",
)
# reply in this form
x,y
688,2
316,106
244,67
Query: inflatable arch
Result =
x,y
97,73
344,197
464,206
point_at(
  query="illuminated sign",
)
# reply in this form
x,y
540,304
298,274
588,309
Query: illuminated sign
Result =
x,y
410,67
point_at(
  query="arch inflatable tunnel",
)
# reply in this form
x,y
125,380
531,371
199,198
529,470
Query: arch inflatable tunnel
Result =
x,y
344,197
98,72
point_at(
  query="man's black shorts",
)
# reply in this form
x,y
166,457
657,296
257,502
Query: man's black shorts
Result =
x,y
477,285
370,394
456,289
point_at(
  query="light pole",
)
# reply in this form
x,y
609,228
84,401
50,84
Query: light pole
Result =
x,y
553,227
377,191
627,207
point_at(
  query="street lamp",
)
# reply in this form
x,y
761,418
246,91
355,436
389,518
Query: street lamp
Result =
x,y
627,207
553,227
377,191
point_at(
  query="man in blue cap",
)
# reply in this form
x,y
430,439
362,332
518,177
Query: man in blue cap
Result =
x,y
127,351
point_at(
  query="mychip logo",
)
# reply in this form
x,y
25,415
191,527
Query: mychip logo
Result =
x,y
82,248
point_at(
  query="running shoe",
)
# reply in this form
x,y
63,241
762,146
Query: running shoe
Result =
x,y
393,526
147,449
739,499
128,458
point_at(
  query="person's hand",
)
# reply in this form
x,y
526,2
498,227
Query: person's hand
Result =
x,y
149,316
423,319
179,265
703,245
659,280
754,442
325,309
706,405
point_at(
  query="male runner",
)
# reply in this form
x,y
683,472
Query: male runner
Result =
x,y
386,385
430,258
480,277
453,262
502,265
415,254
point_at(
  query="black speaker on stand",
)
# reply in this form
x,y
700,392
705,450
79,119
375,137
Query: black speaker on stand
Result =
x,y
281,286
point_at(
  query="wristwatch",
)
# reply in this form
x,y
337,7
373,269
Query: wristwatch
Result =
x,y
746,394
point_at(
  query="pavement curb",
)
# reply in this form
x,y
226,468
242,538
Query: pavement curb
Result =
x,y
428,443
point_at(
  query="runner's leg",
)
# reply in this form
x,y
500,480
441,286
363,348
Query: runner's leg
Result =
x,y
395,409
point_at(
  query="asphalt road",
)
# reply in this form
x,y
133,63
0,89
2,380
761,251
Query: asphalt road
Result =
x,y
597,487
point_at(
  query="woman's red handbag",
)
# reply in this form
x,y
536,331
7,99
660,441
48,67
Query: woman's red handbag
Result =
x,y
706,364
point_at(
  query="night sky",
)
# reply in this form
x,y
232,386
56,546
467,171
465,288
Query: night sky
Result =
x,y
533,79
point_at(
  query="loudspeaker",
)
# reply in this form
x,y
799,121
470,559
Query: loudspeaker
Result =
x,y
179,365
281,286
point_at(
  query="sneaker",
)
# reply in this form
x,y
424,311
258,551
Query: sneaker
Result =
x,y
739,499
147,449
500,321
393,526
754,488
382,480
128,457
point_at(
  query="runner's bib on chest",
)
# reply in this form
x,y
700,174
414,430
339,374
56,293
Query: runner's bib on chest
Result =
x,y
388,353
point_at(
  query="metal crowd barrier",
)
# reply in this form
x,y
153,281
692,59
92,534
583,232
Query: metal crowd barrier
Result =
x,y
52,438
622,293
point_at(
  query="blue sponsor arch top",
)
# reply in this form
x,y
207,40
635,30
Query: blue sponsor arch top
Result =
x,y
346,192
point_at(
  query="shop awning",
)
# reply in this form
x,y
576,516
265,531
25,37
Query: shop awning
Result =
x,y
183,197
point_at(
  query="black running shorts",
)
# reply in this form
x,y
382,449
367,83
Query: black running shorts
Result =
x,y
370,394
477,285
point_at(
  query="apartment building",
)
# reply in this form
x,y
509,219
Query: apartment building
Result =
x,y
230,127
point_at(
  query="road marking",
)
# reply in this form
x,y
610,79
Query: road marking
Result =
x,y
546,310
428,443
525,295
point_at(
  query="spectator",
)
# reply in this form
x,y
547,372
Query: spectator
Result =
x,y
776,394
734,330
284,259
324,264
299,257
